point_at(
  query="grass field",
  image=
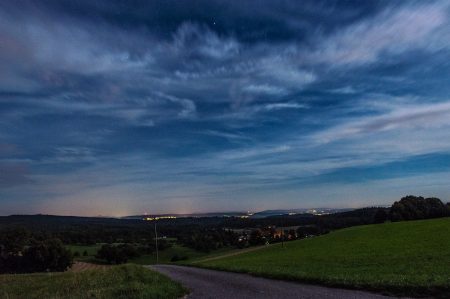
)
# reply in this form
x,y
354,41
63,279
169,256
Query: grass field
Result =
x,y
409,258
166,255
90,249
125,281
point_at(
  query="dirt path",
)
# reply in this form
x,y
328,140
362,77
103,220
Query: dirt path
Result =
x,y
83,266
230,254
206,284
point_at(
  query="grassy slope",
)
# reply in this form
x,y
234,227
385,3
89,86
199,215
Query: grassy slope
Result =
x,y
125,281
404,258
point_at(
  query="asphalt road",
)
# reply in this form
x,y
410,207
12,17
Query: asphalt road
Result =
x,y
205,283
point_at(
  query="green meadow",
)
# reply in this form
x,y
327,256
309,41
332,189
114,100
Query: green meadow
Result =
x,y
123,282
405,258
90,249
165,256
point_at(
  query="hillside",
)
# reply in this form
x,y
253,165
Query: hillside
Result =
x,y
410,258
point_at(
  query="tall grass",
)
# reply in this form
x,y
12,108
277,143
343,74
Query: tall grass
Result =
x,y
125,281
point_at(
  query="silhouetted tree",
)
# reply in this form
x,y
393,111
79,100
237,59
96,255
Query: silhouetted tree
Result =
x,y
416,207
49,255
117,254
380,216
309,230
256,238
111,254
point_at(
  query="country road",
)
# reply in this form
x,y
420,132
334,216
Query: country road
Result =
x,y
205,283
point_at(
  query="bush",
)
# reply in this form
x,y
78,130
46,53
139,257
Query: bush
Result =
x,y
49,255
38,256
256,238
380,216
117,254
177,258
309,230
111,254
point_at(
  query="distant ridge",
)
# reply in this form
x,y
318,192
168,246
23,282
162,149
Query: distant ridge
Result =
x,y
314,211
261,214
211,214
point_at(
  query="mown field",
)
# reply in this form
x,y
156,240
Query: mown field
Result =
x,y
406,258
125,281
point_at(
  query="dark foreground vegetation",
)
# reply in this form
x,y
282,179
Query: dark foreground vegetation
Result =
x,y
21,252
121,282
401,258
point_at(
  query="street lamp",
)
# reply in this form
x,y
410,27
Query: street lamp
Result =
x,y
156,243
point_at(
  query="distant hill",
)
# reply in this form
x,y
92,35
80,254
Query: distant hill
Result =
x,y
241,214
54,221
261,214
196,215
315,211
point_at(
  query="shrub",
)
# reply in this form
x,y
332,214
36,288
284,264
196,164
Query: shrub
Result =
x,y
117,254
380,216
177,258
37,256
49,255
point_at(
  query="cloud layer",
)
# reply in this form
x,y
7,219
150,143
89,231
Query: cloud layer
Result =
x,y
208,105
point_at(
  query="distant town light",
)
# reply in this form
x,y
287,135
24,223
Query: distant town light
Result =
x,y
159,217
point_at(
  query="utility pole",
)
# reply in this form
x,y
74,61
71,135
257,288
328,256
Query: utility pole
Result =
x,y
156,244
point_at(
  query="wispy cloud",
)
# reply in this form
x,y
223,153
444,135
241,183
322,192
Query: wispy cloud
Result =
x,y
265,89
150,105
227,135
278,106
393,31
252,153
191,40
403,117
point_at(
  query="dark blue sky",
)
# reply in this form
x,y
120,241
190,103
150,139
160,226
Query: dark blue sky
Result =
x,y
124,107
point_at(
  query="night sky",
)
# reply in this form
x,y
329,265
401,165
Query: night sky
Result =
x,y
125,107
